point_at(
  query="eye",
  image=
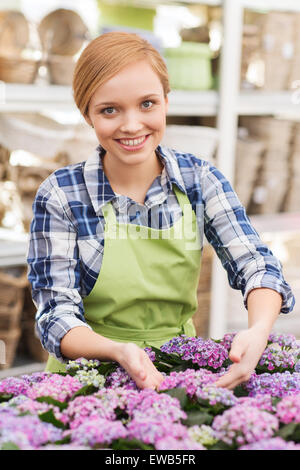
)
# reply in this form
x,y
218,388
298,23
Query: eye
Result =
x,y
108,111
147,104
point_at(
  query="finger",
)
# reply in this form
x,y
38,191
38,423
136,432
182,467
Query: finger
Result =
x,y
237,350
232,375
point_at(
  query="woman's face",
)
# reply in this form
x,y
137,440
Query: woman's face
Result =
x,y
128,113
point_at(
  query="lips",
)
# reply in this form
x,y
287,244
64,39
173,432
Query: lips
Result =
x,y
133,144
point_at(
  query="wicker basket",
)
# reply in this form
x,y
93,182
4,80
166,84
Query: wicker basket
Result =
x,y
31,343
11,299
15,69
62,32
14,32
10,339
61,69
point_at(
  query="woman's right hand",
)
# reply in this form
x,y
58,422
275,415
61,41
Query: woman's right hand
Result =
x,y
138,365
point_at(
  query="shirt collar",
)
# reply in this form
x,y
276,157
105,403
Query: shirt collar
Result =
x,y
99,188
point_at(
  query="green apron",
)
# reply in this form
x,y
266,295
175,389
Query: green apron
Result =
x,y
147,290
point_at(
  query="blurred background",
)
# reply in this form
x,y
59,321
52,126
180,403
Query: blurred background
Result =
x,y
234,69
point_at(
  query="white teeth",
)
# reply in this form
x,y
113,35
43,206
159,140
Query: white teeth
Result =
x,y
132,142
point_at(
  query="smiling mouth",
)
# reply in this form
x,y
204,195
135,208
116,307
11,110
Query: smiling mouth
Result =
x,y
133,144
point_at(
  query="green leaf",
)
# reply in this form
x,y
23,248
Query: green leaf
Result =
x,y
51,401
162,367
168,358
65,440
180,394
290,432
128,444
240,391
84,391
9,446
107,368
197,417
5,397
220,445
49,417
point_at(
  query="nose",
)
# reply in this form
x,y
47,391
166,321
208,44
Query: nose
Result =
x,y
131,123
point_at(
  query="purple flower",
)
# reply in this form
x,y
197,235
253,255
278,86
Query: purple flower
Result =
x,y
277,359
36,377
243,425
276,385
204,353
288,409
150,353
189,379
227,339
34,407
216,395
97,431
120,378
149,431
284,340
157,406
273,443
262,402
56,386
13,386
83,408
27,431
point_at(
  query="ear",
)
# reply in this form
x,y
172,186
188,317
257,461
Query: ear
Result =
x,y
167,103
88,120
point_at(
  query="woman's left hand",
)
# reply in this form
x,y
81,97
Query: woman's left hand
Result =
x,y
246,350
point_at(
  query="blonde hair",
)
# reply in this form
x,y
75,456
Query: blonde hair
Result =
x,y
107,55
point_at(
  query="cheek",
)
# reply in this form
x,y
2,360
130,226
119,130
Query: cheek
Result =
x,y
105,128
157,120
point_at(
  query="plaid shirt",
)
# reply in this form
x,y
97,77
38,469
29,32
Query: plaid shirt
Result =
x,y
67,235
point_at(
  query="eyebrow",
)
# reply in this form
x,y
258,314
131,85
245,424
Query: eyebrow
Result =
x,y
112,103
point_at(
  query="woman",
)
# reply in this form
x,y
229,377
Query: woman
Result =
x,y
116,241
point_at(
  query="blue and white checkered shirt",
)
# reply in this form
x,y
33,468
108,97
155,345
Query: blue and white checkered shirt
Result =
x,y
67,235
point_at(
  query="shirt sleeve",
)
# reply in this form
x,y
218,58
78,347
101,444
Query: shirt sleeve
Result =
x,y
249,263
54,269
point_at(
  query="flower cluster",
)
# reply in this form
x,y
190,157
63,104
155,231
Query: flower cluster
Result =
x,y
274,443
203,434
204,353
276,385
274,358
216,395
57,386
189,379
120,378
26,431
187,412
288,409
243,425
97,431
263,402
82,364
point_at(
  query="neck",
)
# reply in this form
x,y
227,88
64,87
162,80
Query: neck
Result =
x,y
132,176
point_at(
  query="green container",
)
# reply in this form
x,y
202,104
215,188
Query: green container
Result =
x,y
189,66
119,14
